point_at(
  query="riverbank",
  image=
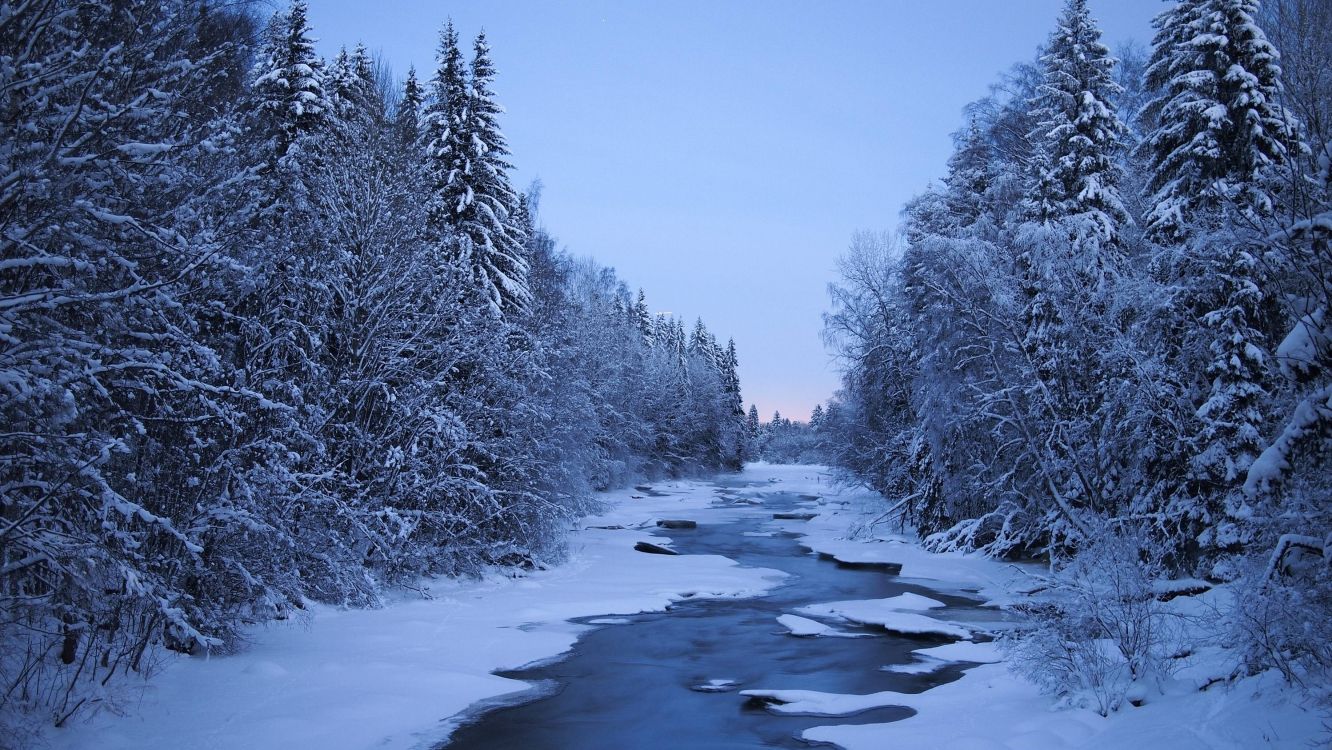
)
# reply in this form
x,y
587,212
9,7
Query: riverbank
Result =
x,y
405,675
990,707
399,676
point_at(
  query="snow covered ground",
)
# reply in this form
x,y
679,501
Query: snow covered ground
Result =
x,y
389,678
401,676
991,708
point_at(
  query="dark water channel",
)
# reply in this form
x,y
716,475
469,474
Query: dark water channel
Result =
x,y
629,685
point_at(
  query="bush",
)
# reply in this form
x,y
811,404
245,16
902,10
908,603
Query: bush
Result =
x,y
1099,631
1283,614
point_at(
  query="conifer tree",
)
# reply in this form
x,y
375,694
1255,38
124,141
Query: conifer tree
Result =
x,y
1080,135
731,379
499,241
816,417
1075,196
446,149
647,326
970,175
1218,135
471,196
288,97
703,345
407,119
1219,129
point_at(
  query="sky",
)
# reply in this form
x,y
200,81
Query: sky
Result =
x,y
720,153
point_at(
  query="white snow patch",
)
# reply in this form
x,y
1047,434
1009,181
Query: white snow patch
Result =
x,y
716,685
391,678
887,614
815,703
981,653
924,666
805,627
801,626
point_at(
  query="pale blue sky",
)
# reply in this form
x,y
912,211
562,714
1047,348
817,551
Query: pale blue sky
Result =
x,y
720,153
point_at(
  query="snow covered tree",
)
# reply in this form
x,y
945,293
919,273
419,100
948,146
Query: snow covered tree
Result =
x,y
117,411
407,119
471,196
702,344
355,99
1075,197
494,199
970,176
647,325
1219,128
1219,136
288,99
1079,136
445,137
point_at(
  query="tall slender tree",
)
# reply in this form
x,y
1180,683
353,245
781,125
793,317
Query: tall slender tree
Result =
x,y
502,261
1219,133
407,118
1219,128
1081,135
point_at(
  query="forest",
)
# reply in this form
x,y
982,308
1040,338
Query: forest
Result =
x,y
1103,340
282,341
276,329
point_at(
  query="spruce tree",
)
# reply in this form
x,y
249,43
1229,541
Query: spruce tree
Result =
x,y
731,379
446,150
1080,136
1218,129
1218,135
643,320
407,119
703,345
471,196
288,98
1075,195
970,175
356,103
502,261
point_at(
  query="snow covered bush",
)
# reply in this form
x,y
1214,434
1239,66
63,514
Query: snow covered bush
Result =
x,y
1283,614
1099,635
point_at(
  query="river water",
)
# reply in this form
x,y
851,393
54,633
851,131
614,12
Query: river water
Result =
x,y
629,686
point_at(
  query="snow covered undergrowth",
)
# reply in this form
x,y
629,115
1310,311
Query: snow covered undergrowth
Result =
x,y
990,706
392,677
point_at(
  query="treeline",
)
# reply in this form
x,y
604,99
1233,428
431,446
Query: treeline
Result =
x,y
782,440
275,329
1111,318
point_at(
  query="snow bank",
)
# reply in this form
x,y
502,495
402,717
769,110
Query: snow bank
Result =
x,y
800,626
391,678
815,703
992,708
805,627
981,653
989,707
880,612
